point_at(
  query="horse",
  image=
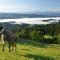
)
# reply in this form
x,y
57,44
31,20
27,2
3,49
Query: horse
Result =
x,y
10,38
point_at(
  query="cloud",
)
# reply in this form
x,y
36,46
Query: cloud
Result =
x,y
16,8
26,8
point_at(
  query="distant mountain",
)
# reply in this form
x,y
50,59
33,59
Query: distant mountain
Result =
x,y
47,14
34,14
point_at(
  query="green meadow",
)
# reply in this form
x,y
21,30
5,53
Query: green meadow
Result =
x,y
31,50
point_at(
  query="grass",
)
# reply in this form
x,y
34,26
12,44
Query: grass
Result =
x,y
29,50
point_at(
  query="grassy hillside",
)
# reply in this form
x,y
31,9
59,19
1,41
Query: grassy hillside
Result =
x,y
30,50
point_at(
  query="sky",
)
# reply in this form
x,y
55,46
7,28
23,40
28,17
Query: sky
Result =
x,y
29,5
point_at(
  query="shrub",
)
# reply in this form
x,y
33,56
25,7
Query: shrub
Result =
x,y
58,38
50,39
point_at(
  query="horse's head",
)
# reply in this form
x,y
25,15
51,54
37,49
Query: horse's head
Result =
x,y
4,31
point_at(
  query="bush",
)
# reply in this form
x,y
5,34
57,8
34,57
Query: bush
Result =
x,y
36,36
58,38
49,39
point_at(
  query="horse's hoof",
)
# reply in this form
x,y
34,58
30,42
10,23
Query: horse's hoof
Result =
x,y
9,50
3,49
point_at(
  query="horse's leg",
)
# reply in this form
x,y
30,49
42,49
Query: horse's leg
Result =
x,y
3,42
14,46
3,47
9,47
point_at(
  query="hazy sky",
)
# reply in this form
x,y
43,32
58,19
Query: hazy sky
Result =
x,y
29,5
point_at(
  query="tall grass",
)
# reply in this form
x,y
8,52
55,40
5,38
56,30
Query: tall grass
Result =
x,y
30,50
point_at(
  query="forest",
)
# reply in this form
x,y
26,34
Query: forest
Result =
x,y
49,33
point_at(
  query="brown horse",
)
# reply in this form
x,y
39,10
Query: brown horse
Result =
x,y
10,37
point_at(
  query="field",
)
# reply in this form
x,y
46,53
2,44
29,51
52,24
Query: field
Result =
x,y
30,50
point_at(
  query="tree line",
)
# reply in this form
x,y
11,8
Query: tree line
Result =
x,y
41,33
49,33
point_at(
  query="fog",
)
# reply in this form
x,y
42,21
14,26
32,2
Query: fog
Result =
x,y
32,20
